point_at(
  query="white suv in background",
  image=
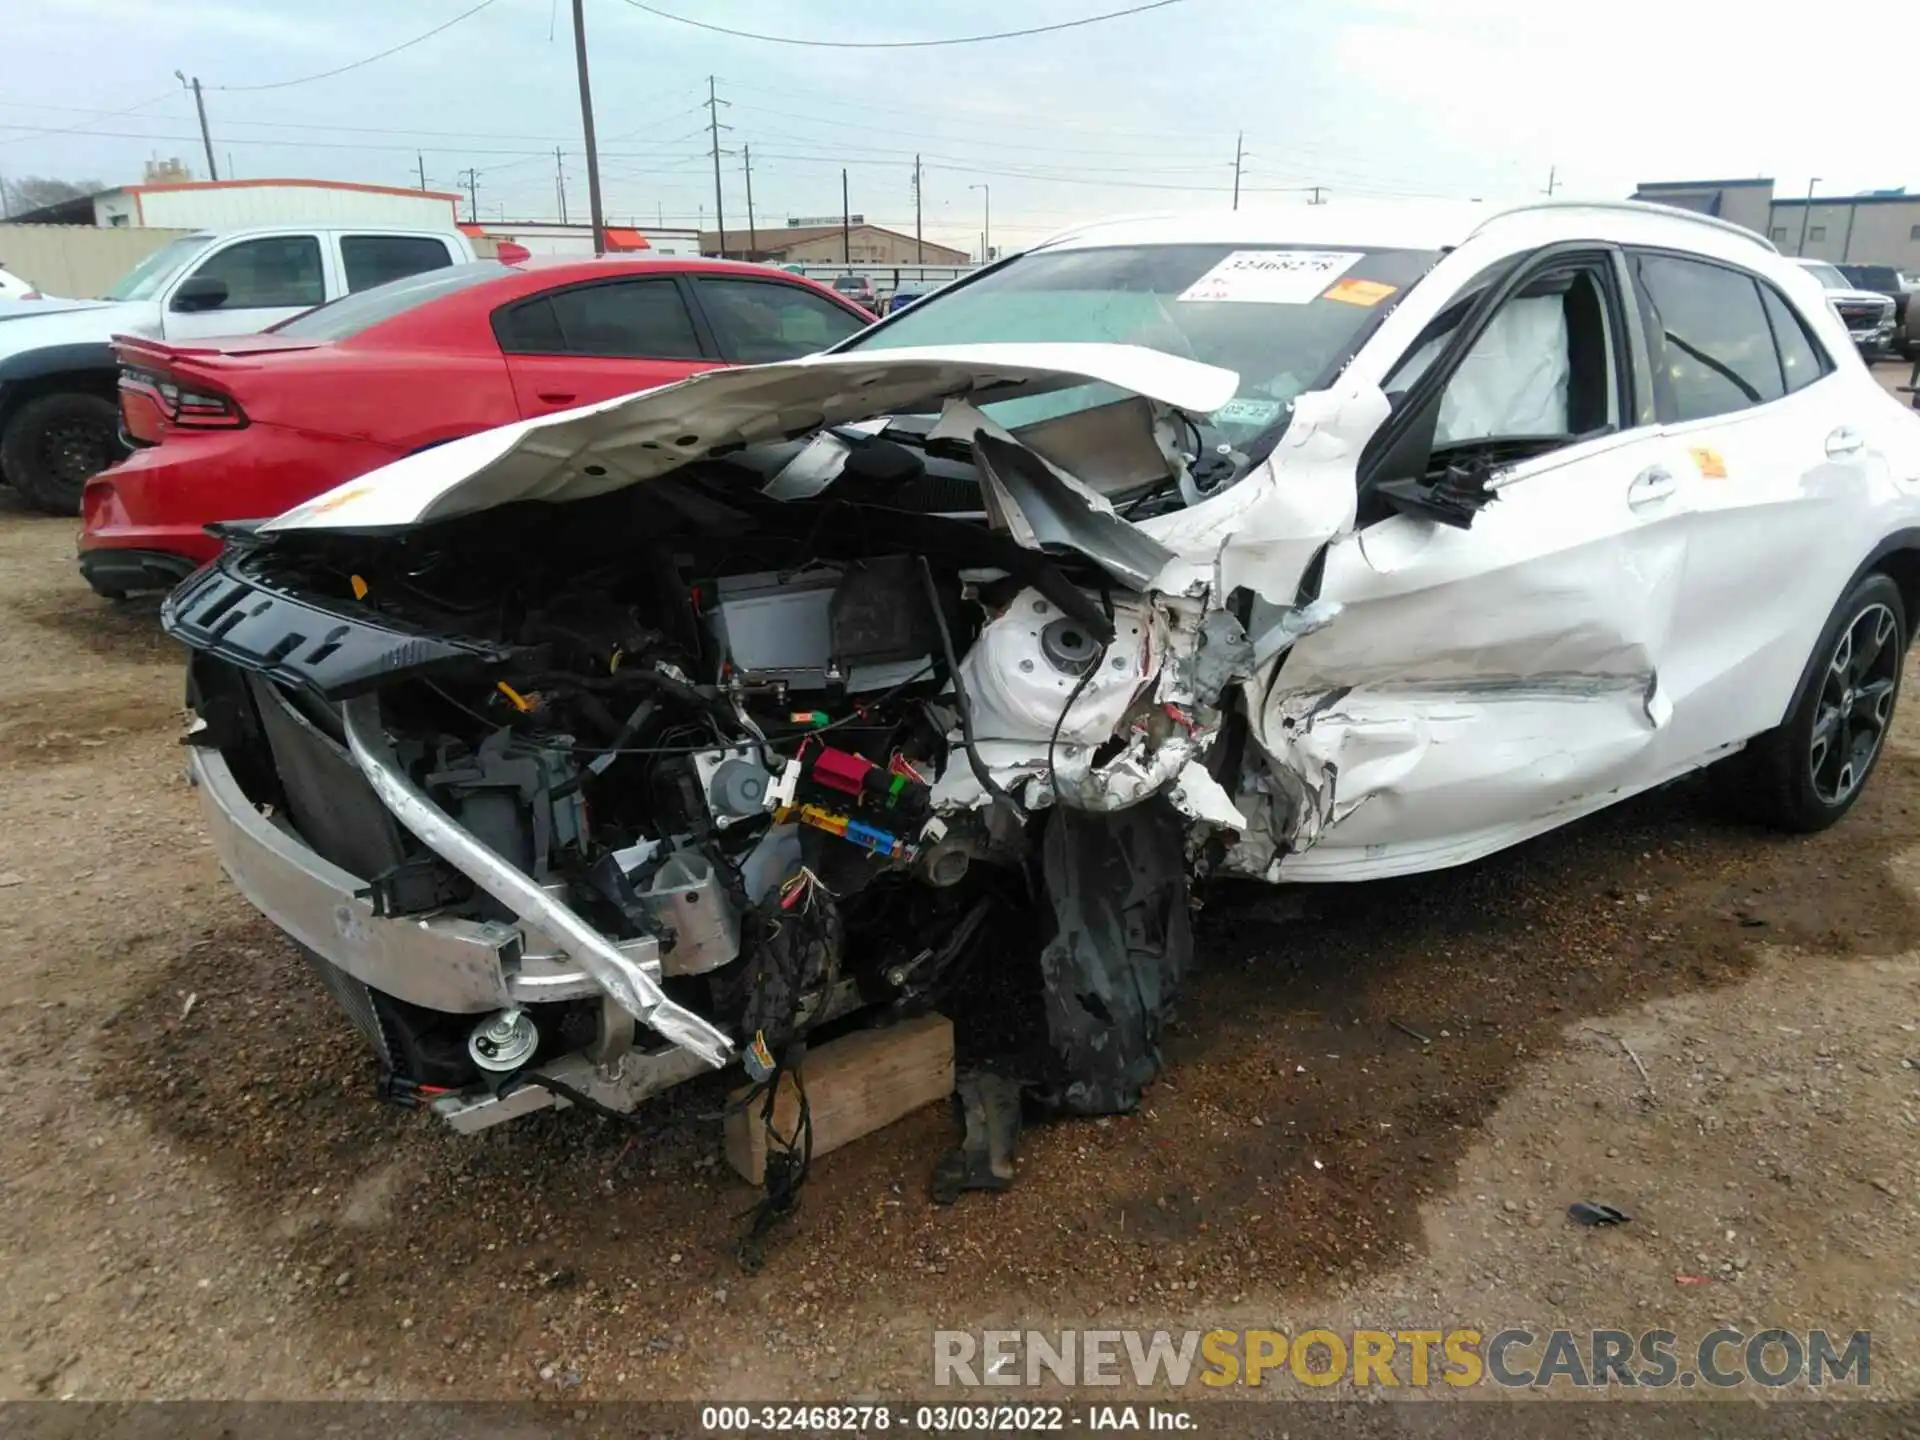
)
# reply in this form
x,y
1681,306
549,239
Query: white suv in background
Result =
x,y
1867,316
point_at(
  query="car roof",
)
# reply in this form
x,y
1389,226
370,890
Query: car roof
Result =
x,y
328,227
591,264
1408,225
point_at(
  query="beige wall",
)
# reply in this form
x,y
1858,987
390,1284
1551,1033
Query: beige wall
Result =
x,y
869,246
1882,231
76,261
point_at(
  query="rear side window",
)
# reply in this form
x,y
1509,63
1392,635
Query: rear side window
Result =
x,y
1801,360
1710,336
618,319
375,259
350,314
757,322
272,272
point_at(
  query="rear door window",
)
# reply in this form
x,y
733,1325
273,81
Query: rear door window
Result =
x,y
1802,361
1710,337
375,259
619,319
757,322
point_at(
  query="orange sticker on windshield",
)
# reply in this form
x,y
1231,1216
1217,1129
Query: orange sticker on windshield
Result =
x,y
1712,467
1359,292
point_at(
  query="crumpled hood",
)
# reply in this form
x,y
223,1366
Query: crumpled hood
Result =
x,y
605,447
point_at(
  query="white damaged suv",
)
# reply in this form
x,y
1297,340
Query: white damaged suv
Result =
x,y
1320,544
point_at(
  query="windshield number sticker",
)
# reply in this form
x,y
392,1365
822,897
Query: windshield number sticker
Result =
x,y
1271,277
1366,293
1247,410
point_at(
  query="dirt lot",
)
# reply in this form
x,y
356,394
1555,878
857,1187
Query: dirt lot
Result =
x,y
202,1198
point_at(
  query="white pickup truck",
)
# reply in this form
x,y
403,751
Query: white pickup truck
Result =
x,y
59,411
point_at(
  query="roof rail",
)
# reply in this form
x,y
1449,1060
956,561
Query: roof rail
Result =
x,y
1638,207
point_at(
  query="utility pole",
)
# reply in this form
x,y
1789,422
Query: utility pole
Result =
x,y
1553,180
753,234
919,248
1806,214
986,222
714,127
1238,152
200,104
421,160
472,178
586,126
1316,200
560,182
846,222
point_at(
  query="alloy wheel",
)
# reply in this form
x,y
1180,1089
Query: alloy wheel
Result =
x,y
1856,704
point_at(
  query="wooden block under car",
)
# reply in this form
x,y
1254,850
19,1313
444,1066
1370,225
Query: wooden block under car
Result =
x,y
855,1085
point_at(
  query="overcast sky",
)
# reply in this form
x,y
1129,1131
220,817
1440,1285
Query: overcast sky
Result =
x,y
1465,98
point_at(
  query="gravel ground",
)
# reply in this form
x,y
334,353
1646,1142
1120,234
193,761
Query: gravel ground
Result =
x,y
203,1199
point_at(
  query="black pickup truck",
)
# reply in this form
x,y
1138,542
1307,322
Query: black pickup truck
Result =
x,y
1899,287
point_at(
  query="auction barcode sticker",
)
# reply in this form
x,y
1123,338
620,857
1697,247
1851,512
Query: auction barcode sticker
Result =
x,y
1271,277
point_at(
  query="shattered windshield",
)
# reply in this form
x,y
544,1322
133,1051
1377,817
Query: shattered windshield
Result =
x,y
1278,316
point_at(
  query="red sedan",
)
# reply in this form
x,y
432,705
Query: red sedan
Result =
x,y
246,426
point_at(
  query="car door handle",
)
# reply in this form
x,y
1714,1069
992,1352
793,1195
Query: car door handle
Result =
x,y
557,397
1844,442
1653,484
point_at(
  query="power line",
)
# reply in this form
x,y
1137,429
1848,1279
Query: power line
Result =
x,y
341,70
541,154
330,127
903,44
949,138
74,129
1050,122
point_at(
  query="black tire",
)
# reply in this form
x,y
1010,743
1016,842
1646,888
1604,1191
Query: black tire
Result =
x,y
56,443
1807,773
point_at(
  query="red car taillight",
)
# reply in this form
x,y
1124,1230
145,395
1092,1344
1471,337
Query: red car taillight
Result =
x,y
208,410
151,401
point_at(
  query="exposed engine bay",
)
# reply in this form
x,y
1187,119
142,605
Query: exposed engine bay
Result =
x,y
746,753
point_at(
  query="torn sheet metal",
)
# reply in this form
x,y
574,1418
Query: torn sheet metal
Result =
x,y
1119,948
632,988
1105,734
1451,707
1043,513
1043,506
1264,532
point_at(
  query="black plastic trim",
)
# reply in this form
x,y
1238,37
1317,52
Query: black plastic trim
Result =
x,y
115,572
235,613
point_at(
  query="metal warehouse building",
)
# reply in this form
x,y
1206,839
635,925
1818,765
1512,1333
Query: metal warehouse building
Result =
x,y
1879,227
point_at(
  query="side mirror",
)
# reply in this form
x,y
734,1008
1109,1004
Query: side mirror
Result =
x,y
200,292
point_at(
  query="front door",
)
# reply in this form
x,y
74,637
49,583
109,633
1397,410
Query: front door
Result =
x,y
1484,681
